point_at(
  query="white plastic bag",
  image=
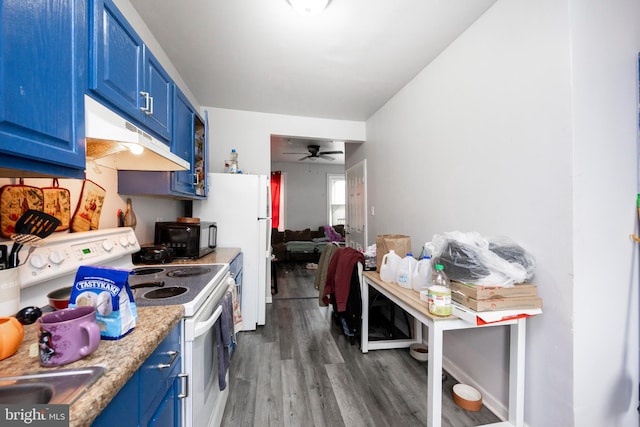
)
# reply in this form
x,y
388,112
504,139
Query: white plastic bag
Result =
x,y
474,259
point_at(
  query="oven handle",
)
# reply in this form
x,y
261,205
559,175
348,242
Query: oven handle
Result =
x,y
203,327
186,387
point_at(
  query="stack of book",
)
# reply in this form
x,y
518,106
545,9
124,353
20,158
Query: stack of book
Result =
x,y
486,298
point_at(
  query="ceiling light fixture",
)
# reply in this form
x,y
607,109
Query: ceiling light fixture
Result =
x,y
309,7
136,149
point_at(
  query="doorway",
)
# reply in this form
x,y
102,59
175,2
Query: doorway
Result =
x,y
306,163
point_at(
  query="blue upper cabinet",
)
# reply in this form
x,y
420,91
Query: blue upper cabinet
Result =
x,y
116,58
125,74
42,84
159,92
188,142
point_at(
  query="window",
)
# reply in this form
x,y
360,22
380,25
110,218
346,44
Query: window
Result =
x,y
336,200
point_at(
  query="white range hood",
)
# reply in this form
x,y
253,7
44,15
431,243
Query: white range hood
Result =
x,y
113,140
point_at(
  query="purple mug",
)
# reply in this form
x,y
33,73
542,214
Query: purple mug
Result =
x,y
65,336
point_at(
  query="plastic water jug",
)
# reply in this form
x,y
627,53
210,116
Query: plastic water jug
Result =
x,y
404,274
422,274
389,266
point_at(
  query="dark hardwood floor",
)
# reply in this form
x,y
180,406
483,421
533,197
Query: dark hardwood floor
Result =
x,y
300,370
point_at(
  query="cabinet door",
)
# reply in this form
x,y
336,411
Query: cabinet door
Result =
x,y
159,87
168,413
158,374
42,85
122,411
182,142
116,59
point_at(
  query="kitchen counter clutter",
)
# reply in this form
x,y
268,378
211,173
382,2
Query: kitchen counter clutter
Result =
x,y
120,358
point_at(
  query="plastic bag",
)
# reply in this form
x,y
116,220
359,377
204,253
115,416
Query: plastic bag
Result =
x,y
474,259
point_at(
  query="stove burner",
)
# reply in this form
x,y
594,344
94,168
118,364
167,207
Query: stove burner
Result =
x,y
189,271
169,292
156,284
145,270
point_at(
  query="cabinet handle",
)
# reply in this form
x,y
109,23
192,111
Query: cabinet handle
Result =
x,y
174,355
150,112
186,386
147,103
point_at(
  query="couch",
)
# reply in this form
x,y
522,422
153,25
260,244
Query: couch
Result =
x,y
304,245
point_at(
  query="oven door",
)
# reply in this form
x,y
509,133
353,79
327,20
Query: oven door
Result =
x,y
204,398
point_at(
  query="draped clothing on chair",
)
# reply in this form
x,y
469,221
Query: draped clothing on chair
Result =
x,y
321,273
339,276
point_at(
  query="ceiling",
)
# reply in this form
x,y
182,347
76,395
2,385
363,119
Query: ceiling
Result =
x,y
259,55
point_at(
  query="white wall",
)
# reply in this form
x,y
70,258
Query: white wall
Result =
x,y
306,193
250,134
507,134
605,45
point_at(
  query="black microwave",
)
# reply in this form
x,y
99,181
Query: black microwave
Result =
x,y
188,240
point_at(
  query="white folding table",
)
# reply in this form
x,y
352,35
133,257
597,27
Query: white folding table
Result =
x,y
409,301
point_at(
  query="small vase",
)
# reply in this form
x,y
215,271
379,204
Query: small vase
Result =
x,y
129,216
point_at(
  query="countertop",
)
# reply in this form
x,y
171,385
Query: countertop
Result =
x,y
120,358
218,256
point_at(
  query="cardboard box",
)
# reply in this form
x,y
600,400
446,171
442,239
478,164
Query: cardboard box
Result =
x,y
491,304
487,292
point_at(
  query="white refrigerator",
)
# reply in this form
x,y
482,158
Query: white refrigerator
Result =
x,y
241,206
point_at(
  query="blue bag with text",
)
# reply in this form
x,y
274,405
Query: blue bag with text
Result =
x,y
108,290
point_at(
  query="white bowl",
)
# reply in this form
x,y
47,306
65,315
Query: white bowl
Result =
x,y
419,352
467,397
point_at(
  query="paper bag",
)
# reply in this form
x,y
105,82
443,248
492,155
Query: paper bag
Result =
x,y
400,243
108,290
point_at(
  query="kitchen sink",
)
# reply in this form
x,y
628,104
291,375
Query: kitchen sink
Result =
x,y
62,386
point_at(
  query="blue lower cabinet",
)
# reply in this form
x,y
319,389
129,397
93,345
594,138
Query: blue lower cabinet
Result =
x,y
123,409
152,396
169,412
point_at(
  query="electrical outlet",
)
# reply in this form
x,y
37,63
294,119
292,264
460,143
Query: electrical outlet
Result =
x,y
373,210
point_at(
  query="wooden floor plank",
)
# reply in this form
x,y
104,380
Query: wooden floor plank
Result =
x,y
295,395
269,396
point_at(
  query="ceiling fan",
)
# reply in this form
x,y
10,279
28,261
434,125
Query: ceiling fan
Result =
x,y
315,153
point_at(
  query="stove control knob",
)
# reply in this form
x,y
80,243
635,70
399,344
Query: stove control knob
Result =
x,y
56,257
132,239
107,245
37,261
124,242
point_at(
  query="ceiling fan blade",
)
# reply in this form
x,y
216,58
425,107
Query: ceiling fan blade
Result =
x,y
324,156
330,152
294,153
305,157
